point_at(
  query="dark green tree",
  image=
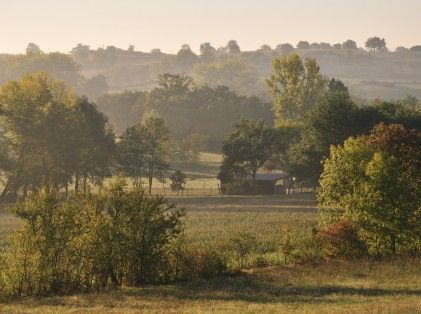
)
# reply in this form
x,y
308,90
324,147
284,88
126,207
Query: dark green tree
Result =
x,y
375,43
337,86
329,123
246,150
233,47
349,44
303,45
33,49
207,50
94,145
284,48
143,151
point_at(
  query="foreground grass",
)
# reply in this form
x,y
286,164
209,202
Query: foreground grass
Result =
x,y
346,287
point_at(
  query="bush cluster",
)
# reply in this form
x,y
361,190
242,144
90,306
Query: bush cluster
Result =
x,y
86,243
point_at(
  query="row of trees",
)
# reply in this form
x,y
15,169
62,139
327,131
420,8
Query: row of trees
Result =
x,y
61,66
232,47
50,137
311,114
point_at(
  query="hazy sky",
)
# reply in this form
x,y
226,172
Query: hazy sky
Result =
x,y
58,25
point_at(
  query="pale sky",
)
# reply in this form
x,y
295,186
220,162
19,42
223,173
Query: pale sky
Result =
x,y
58,25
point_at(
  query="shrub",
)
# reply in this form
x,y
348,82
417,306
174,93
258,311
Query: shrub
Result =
x,y
241,246
309,249
286,244
44,256
190,262
261,261
141,228
342,240
87,243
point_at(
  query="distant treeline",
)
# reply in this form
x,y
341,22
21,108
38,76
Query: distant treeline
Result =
x,y
186,107
245,71
61,66
93,72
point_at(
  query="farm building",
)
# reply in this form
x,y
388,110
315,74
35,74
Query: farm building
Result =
x,y
267,183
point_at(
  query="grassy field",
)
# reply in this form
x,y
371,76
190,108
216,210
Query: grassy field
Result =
x,y
346,287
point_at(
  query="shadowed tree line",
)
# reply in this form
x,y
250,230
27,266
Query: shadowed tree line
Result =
x,y
189,110
52,138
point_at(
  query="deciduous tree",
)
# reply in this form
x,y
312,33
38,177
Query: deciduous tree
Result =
x,y
296,86
374,182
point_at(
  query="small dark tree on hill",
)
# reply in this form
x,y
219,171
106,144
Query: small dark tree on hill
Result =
x,y
325,46
206,50
349,44
401,49
33,49
284,48
233,47
315,46
303,45
375,43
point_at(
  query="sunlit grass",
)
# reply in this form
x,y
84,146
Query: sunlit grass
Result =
x,y
341,287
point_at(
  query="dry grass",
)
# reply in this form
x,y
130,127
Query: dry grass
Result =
x,y
346,287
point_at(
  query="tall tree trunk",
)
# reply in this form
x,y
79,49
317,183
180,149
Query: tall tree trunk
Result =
x,y
25,191
150,177
254,181
150,183
77,182
85,177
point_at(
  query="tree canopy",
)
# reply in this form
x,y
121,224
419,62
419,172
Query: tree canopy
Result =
x,y
375,43
246,150
143,151
296,86
52,134
374,182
